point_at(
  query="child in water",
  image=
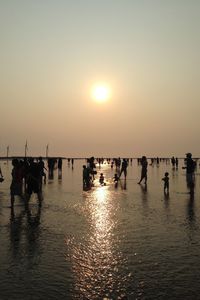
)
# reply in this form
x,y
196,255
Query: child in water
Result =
x,y
101,179
166,182
116,178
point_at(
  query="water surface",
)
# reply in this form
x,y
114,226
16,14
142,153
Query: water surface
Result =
x,y
130,242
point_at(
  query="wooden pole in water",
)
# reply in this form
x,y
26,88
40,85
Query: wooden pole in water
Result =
x,y
47,150
26,148
7,152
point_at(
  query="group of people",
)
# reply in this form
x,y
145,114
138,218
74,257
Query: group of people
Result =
x,y
89,171
28,175
27,178
121,169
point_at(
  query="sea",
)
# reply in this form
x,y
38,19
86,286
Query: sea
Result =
x,y
128,241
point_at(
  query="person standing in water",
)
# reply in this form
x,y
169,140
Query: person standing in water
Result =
x,y
17,181
144,164
166,182
86,177
190,168
124,168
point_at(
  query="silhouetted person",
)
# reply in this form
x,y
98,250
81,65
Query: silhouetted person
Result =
x,y
173,161
144,164
124,168
101,179
51,165
33,181
86,177
91,166
166,182
17,181
176,162
190,167
118,164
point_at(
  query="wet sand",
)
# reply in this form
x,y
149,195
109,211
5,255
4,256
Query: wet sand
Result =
x,y
129,242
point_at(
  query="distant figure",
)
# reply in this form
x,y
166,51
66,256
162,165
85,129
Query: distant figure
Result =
x,y
173,161
72,163
51,165
101,179
190,167
176,162
166,182
92,166
144,164
86,178
117,164
17,181
124,168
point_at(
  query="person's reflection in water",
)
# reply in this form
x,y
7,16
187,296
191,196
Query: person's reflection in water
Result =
x,y
16,222
123,184
144,198
72,164
60,168
144,189
33,216
191,218
191,185
144,192
166,195
166,198
190,209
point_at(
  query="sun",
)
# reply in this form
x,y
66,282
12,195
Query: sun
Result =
x,y
100,93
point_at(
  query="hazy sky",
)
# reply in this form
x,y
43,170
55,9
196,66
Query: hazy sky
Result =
x,y
53,51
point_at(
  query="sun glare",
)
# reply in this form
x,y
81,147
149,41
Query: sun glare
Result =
x,y
100,93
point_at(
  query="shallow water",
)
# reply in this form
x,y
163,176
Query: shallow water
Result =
x,y
107,243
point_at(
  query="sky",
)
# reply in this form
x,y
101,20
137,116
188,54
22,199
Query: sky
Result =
x,y
52,53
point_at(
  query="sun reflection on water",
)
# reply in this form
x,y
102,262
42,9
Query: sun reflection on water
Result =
x,y
102,221
96,259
